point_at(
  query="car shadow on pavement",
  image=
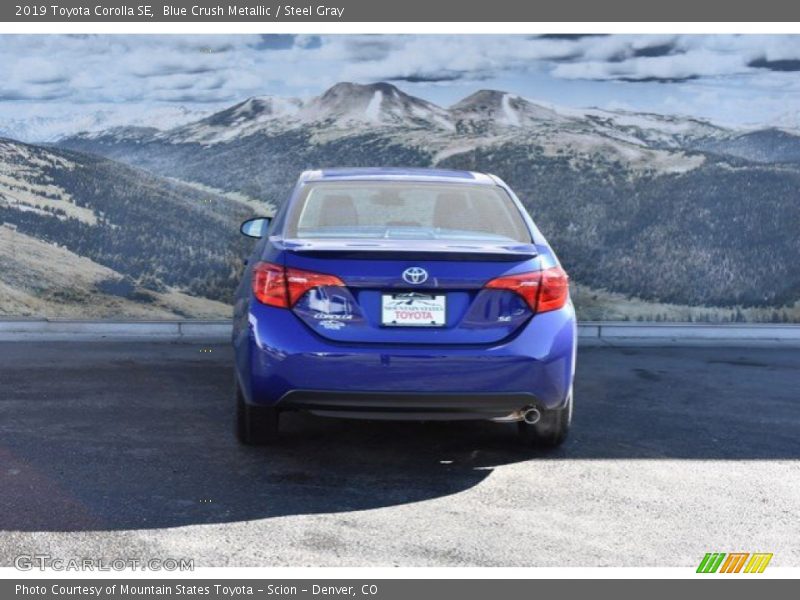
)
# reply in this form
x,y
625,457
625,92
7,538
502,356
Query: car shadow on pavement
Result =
x,y
145,442
165,473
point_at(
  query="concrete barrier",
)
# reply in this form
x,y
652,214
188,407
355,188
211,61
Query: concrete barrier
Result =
x,y
220,330
620,333
596,333
34,330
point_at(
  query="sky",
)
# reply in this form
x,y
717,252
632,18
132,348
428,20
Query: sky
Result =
x,y
730,79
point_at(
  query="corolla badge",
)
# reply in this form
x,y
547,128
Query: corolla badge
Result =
x,y
415,275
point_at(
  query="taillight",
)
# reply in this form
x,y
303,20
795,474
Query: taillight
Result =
x,y
269,284
524,284
542,290
299,282
554,289
284,286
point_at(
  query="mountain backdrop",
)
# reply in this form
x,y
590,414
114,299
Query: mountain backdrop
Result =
x,y
654,216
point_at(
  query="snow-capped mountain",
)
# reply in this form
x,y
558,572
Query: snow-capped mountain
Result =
x,y
240,120
487,109
651,129
344,106
38,129
352,106
642,141
376,104
666,143
364,107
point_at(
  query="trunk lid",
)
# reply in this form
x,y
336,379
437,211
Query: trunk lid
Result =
x,y
441,300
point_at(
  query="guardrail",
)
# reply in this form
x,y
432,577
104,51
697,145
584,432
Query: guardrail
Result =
x,y
591,333
618,333
33,330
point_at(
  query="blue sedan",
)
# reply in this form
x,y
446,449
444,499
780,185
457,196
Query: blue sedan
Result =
x,y
403,294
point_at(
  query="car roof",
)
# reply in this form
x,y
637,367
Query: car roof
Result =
x,y
397,174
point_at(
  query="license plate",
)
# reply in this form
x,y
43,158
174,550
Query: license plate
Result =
x,y
413,310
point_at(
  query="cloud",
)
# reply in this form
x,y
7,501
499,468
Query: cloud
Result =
x,y
781,65
277,41
308,42
369,49
624,58
654,50
654,79
124,66
567,36
168,67
223,69
688,65
90,69
425,58
33,94
679,58
673,58
443,76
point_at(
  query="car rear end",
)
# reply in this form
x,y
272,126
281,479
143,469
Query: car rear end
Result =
x,y
406,296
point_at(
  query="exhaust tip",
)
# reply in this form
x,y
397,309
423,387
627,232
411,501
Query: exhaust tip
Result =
x,y
531,415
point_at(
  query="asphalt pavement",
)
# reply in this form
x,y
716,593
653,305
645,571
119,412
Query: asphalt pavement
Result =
x,y
126,450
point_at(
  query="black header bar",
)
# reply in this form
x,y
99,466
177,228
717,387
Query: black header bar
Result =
x,y
467,11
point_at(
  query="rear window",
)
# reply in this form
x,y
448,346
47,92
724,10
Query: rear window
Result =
x,y
406,210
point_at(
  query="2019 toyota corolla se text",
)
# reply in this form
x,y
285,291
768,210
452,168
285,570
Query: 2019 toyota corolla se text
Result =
x,y
403,294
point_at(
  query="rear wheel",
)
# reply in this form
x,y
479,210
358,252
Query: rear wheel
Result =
x,y
550,430
255,425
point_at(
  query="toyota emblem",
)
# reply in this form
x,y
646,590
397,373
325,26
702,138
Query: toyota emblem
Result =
x,y
415,275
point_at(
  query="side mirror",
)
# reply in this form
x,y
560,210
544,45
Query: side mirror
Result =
x,y
255,228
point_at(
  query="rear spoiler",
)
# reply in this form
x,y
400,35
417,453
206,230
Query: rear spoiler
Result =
x,y
401,251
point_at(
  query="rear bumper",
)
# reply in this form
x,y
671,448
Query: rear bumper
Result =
x,y
280,361
406,405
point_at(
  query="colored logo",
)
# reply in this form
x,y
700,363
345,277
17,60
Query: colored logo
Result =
x,y
415,275
734,562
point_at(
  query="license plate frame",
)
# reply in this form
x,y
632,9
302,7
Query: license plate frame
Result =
x,y
414,309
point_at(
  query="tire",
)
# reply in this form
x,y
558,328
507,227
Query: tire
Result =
x,y
255,425
551,430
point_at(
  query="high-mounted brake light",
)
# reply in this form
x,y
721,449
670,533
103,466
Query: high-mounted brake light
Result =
x,y
543,291
280,286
